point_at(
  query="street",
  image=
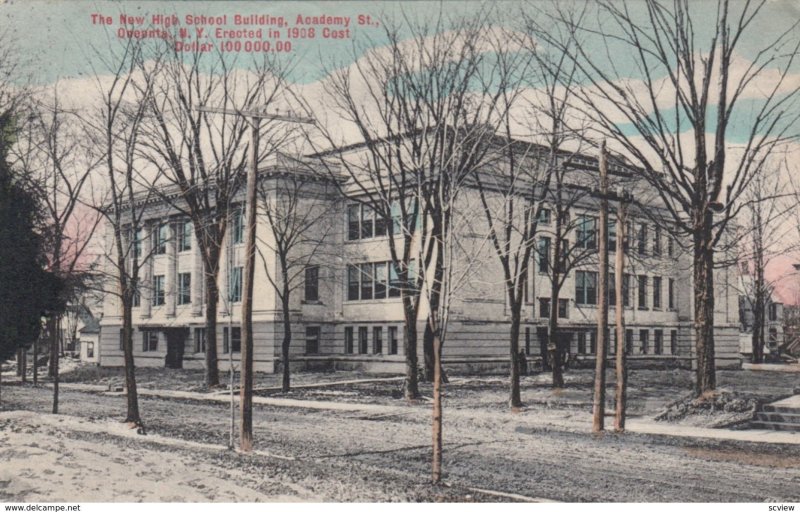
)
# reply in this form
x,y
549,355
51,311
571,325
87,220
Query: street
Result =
x,y
344,455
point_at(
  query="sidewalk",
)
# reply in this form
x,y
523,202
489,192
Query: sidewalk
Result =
x,y
574,421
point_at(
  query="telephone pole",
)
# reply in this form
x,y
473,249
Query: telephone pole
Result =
x,y
599,409
246,392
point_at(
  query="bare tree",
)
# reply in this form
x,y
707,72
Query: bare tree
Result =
x,y
114,125
204,156
52,152
298,207
674,121
765,232
419,130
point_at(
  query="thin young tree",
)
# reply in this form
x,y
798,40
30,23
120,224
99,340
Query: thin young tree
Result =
x,y
113,125
298,207
675,120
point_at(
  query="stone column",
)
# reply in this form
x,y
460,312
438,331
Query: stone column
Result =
x,y
170,277
146,271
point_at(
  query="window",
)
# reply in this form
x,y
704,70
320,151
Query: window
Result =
x,y
671,293
377,340
312,340
363,342
149,341
773,338
658,341
238,226
366,281
773,312
656,292
392,340
311,283
543,254
232,343
380,280
348,340
364,222
158,290
184,288
544,308
380,225
657,241
394,281
629,341
545,216
641,239
563,308
673,342
644,340
587,232
352,282
236,339
581,342
642,292
612,289
374,280
89,349
592,341
185,236
199,340
626,240
585,287
137,243
670,246
235,285
122,339
353,230
160,236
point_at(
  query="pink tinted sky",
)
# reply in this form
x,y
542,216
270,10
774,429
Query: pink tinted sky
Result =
x,y
780,271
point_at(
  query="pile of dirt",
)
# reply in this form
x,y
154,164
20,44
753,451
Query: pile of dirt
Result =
x,y
720,409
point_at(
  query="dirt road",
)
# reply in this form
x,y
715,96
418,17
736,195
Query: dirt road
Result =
x,y
351,456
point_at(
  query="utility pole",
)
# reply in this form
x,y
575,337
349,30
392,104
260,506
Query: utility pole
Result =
x,y
246,392
598,416
619,284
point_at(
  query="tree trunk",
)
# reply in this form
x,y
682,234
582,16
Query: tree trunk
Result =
x,y
758,328
22,364
411,384
553,345
599,409
621,363
287,340
246,399
704,308
36,361
515,400
54,365
436,464
212,300
53,346
130,370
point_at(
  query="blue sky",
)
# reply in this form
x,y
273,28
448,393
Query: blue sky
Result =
x,y
56,38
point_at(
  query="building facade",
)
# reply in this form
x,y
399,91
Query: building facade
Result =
x,y
346,313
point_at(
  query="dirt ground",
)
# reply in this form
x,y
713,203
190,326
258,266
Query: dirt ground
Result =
x,y
333,455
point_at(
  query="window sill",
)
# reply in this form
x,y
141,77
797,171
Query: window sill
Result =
x,y
312,302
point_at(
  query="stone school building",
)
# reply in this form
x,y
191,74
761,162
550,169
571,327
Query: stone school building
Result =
x,y
346,314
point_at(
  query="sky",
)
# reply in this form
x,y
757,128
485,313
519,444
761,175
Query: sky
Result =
x,y
62,40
